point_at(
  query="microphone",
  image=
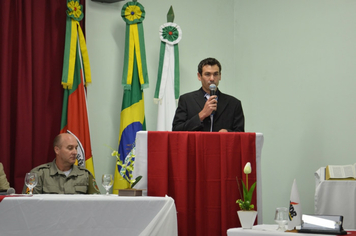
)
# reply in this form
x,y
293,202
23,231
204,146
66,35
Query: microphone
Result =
x,y
212,88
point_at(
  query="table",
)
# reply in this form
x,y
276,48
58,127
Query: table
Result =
x,y
76,215
335,197
199,170
265,229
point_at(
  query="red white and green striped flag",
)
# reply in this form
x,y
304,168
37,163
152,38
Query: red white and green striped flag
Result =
x,y
76,75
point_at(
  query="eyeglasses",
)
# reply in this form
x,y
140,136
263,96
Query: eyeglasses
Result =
x,y
216,74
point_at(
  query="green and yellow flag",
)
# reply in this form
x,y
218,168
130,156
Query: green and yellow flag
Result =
x,y
134,80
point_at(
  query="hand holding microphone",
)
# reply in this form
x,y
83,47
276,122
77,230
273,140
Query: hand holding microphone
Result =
x,y
212,88
210,105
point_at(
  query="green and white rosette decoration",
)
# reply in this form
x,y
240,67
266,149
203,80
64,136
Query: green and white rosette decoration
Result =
x,y
167,87
133,13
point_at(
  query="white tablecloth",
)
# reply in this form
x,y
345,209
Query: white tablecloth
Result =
x,y
335,197
141,167
66,215
259,230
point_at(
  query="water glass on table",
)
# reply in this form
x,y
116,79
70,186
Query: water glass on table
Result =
x,y
107,181
281,218
31,180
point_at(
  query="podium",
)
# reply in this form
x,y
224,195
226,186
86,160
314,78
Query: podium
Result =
x,y
198,170
335,197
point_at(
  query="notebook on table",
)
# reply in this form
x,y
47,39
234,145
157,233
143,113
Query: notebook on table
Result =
x,y
322,224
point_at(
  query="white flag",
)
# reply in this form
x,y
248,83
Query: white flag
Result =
x,y
295,208
167,102
167,87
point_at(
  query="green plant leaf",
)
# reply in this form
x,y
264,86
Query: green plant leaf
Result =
x,y
136,181
250,192
245,203
244,190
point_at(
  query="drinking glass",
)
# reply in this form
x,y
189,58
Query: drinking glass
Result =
x,y
281,218
31,180
107,181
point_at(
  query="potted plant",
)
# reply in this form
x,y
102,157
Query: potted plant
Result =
x,y
246,214
127,166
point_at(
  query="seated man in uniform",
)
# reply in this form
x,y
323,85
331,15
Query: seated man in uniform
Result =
x,y
4,184
61,176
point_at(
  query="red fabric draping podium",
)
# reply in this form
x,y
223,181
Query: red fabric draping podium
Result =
x,y
198,170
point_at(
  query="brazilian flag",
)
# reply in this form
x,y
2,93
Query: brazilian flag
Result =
x,y
134,80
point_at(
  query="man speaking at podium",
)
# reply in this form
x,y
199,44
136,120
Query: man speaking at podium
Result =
x,y
208,109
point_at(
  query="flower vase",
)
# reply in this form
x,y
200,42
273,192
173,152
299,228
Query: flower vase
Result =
x,y
247,218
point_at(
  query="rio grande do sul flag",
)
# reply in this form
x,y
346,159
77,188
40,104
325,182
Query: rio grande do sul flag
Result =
x,y
295,208
76,75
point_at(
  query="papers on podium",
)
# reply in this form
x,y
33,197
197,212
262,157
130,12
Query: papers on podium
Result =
x,y
340,172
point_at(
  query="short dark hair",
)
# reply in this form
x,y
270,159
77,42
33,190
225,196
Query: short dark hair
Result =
x,y
208,61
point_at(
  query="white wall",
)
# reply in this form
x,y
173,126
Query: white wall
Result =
x,y
290,62
295,61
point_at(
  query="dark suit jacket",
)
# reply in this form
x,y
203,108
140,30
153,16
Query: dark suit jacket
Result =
x,y
229,114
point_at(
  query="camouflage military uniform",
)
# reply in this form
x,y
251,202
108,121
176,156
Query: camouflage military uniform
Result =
x,y
53,181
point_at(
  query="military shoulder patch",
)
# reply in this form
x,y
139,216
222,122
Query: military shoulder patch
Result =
x,y
95,185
